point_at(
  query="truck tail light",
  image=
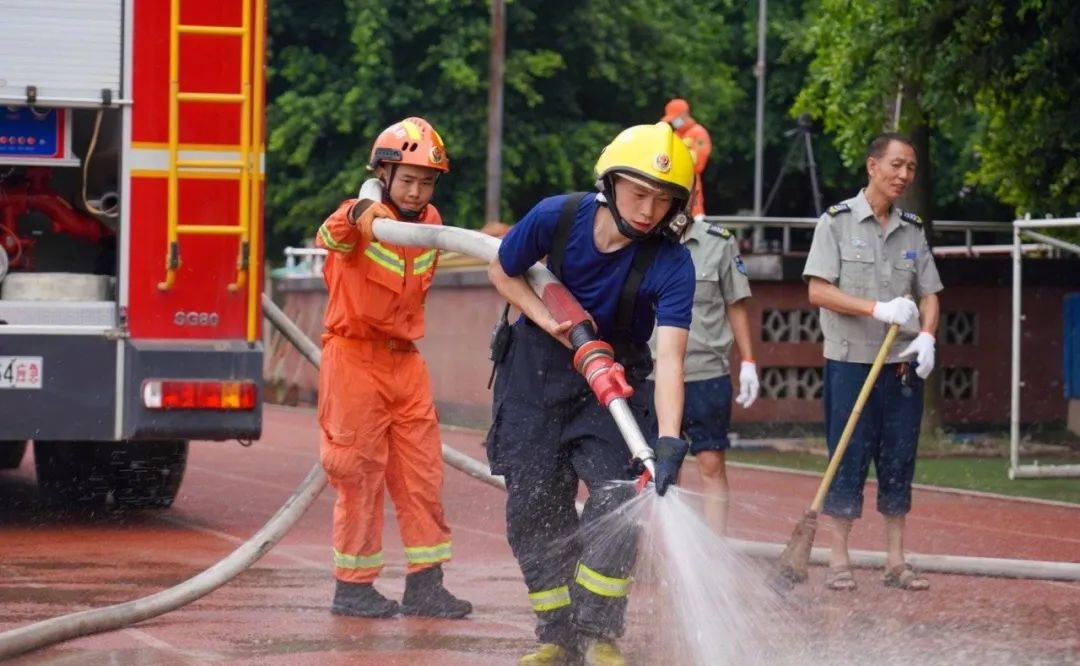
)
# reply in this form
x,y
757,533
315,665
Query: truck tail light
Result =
x,y
198,394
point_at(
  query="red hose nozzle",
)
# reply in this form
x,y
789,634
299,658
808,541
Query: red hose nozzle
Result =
x,y
595,360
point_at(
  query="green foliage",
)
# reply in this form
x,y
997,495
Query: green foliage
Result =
x,y
994,80
576,73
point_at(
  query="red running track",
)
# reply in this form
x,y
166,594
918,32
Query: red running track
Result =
x,y
277,612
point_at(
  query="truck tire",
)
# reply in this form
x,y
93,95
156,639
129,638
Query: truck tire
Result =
x,y
11,454
147,475
118,475
69,474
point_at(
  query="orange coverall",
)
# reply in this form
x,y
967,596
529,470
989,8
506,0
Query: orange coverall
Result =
x,y
376,412
697,139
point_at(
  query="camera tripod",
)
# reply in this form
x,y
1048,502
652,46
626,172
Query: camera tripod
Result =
x,y
803,133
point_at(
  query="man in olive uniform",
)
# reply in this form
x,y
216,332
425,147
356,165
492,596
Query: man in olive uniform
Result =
x,y
719,317
867,261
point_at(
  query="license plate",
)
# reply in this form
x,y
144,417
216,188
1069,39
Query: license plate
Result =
x,y
21,372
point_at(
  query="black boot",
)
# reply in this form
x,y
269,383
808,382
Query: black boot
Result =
x,y
362,600
425,595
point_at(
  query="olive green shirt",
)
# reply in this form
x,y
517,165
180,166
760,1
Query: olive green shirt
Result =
x,y
853,252
721,280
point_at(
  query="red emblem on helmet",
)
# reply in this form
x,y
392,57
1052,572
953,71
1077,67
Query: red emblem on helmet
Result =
x,y
662,162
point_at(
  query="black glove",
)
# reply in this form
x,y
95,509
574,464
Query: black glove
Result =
x,y
670,452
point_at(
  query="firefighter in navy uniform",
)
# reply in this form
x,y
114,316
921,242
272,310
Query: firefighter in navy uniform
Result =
x,y
549,431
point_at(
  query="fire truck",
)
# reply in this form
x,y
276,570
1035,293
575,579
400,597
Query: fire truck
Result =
x,y
131,178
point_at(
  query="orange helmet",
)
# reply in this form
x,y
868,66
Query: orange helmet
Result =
x,y
675,108
411,141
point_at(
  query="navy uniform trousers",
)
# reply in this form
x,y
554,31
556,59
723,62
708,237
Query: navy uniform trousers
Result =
x,y
548,432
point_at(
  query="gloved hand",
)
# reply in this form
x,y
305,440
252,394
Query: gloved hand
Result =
x,y
897,311
364,213
922,347
748,384
670,452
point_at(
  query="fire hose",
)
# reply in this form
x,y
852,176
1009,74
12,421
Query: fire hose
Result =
x,y
605,377
592,360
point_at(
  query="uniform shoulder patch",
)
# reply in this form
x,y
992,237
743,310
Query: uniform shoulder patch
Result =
x,y
716,230
836,209
908,216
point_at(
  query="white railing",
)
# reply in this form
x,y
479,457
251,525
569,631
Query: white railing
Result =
x,y
306,262
1023,228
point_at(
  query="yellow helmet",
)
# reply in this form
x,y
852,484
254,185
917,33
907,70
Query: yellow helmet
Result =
x,y
652,155
653,152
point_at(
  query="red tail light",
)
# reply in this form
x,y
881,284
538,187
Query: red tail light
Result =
x,y
198,394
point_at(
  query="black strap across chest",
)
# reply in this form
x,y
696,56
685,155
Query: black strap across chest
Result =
x,y
643,258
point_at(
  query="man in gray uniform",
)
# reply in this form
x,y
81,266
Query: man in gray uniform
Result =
x,y
867,258
719,315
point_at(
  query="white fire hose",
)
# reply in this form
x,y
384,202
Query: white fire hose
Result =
x,y
65,627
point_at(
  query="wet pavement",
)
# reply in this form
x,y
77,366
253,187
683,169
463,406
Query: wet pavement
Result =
x,y
277,613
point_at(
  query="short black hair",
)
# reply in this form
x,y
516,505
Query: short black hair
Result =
x,y
880,143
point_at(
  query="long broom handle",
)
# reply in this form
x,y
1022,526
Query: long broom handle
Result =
x,y
853,419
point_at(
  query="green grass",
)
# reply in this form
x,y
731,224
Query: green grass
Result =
x,y
985,474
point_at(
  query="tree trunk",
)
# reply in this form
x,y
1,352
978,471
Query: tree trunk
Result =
x,y
919,198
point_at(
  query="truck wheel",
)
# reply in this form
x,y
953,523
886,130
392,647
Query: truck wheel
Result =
x,y
70,473
147,475
11,454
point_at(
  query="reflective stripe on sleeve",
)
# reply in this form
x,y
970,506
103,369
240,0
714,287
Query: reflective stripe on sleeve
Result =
x,y
331,244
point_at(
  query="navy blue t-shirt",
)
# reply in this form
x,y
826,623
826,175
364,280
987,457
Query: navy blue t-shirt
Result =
x,y
666,294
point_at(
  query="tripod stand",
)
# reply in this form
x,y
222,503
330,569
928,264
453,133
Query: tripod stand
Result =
x,y
804,130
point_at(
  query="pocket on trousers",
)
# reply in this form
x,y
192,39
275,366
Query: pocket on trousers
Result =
x,y
338,453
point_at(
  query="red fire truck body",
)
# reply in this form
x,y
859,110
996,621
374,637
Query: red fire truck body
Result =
x,y
131,229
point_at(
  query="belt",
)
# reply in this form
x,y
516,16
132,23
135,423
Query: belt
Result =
x,y
391,344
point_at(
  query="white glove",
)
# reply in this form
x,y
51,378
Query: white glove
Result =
x,y
897,311
748,384
923,349
699,218
371,190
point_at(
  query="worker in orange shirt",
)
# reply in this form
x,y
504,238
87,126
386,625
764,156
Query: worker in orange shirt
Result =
x,y
696,138
377,418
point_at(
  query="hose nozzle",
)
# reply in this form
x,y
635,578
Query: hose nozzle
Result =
x,y
595,360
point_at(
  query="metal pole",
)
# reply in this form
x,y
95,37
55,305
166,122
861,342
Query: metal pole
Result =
x,y
815,190
1014,398
759,134
493,195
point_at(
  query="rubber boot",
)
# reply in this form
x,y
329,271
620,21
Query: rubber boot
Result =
x,y
362,600
548,654
425,595
602,653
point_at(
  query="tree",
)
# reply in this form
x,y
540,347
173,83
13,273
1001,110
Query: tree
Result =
x,y
992,80
576,73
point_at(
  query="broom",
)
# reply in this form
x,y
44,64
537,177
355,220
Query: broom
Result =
x,y
796,556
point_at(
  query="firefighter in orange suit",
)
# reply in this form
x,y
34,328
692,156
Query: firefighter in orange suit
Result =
x,y
696,138
376,413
